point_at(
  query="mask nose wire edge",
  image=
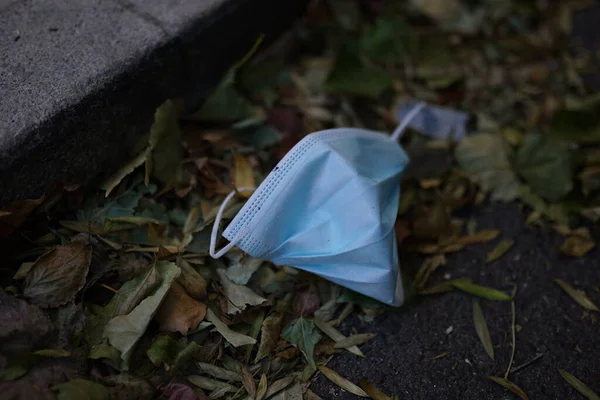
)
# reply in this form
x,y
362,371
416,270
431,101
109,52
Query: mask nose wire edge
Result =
x,y
215,228
412,113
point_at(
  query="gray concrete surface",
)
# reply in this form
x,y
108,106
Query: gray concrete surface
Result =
x,y
80,80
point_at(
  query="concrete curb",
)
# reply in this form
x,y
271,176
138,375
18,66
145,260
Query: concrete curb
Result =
x,y
80,80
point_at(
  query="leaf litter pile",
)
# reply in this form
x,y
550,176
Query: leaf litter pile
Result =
x,y
110,292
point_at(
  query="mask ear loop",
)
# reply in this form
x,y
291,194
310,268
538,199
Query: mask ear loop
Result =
x,y
409,117
215,228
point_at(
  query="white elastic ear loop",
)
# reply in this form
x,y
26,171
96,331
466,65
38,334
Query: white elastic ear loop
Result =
x,y
215,229
413,113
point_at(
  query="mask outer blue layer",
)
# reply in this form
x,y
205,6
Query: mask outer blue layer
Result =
x,y
329,207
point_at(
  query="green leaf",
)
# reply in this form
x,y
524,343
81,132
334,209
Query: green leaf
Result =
x,y
81,389
114,180
269,335
351,76
163,350
480,291
389,40
236,339
482,329
52,353
164,151
104,350
302,334
578,295
500,250
225,104
484,158
578,123
17,367
124,331
546,165
578,385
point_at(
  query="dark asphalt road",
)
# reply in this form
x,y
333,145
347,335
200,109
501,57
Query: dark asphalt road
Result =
x,y
400,359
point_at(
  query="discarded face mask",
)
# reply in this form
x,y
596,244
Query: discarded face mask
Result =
x,y
329,207
436,122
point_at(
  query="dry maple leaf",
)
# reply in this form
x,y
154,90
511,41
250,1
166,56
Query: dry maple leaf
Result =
x,y
179,312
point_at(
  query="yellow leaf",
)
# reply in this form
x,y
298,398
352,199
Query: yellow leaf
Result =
x,y
262,388
342,382
500,250
577,295
510,386
372,391
479,237
244,175
578,385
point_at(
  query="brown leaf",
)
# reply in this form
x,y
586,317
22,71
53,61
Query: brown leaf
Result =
x,y
15,214
500,250
479,237
248,381
342,382
179,312
192,281
244,175
510,386
306,303
372,391
439,288
432,222
578,295
482,329
269,335
180,391
58,275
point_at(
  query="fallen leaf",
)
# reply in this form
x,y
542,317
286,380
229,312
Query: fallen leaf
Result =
x,y
52,353
124,331
179,312
238,296
354,340
342,382
269,335
577,123
211,384
546,166
306,303
58,275
241,272
390,40
262,388
485,160
480,291
479,237
500,250
15,214
482,329
127,169
236,339
248,381
81,389
277,386
577,246
194,283
510,386
302,334
225,104
590,179
293,392
578,385
134,291
218,372
243,176
104,350
578,295
179,391
439,288
372,391
427,268
335,335
350,75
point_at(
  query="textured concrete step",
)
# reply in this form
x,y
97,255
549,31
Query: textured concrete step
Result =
x,y
80,79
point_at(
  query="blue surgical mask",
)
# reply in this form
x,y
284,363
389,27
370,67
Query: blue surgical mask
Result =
x,y
329,207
